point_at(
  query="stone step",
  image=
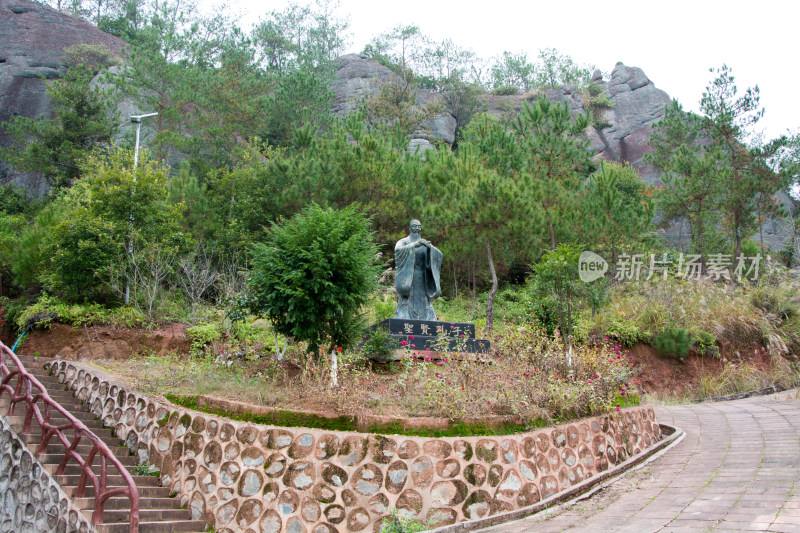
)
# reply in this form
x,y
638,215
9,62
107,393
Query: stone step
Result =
x,y
156,492
111,516
123,503
71,480
59,449
73,468
158,512
198,526
56,458
35,437
17,421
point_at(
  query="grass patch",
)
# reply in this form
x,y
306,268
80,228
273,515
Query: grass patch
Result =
x,y
674,315
286,418
735,378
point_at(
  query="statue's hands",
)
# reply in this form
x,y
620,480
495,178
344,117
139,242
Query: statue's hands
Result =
x,y
423,242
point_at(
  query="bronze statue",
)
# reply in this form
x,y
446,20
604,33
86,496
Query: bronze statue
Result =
x,y
417,265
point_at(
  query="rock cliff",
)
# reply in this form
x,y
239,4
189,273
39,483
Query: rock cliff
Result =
x,y
32,42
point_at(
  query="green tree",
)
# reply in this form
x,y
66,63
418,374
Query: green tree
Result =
x,y
556,282
555,158
557,70
620,207
111,210
162,70
513,71
693,181
482,210
727,120
297,49
313,276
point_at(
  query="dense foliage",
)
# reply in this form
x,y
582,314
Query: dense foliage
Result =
x,y
250,187
314,276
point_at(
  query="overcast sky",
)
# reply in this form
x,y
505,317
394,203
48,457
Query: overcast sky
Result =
x,y
674,42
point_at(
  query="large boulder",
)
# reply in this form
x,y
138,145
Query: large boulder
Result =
x,y
32,42
638,104
358,78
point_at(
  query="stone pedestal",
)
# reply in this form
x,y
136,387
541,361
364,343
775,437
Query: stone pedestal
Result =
x,y
427,335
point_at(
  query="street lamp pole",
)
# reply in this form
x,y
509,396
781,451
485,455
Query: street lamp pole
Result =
x,y
136,119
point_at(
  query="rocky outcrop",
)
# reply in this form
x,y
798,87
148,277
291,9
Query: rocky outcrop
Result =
x,y
638,104
32,42
358,78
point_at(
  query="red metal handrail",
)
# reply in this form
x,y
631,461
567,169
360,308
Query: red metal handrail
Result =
x,y
23,392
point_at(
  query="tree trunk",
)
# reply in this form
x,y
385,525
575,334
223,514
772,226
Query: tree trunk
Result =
x,y
455,282
474,287
568,335
700,243
552,233
490,299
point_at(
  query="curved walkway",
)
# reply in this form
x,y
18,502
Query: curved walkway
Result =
x,y
737,469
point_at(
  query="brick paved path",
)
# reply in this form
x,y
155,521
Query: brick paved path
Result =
x,y
737,469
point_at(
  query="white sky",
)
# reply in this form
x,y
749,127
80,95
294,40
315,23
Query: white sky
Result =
x,y
674,42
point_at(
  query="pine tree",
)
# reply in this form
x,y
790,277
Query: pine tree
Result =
x,y
83,117
728,119
693,181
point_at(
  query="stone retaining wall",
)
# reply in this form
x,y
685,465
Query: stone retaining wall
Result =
x,y
30,499
254,478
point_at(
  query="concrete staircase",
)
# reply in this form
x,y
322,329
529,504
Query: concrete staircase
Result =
x,y
158,512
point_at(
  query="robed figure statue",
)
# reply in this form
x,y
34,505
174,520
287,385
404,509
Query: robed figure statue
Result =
x,y
417,265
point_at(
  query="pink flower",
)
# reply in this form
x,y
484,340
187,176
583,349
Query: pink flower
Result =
x,y
427,351
411,336
446,359
618,409
439,363
428,358
413,345
403,343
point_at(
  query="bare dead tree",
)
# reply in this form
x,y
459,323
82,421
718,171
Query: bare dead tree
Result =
x,y
197,274
146,271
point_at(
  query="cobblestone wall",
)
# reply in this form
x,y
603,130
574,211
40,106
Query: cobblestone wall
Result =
x,y
30,500
253,478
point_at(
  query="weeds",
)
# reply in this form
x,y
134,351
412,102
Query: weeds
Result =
x,y
397,522
737,377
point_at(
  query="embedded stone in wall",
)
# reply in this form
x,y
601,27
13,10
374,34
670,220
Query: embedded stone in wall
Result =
x,y
30,499
252,478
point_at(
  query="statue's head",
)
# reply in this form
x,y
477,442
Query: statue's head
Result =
x,y
415,227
